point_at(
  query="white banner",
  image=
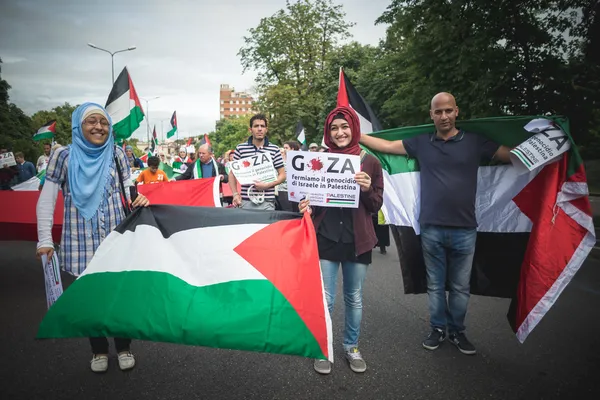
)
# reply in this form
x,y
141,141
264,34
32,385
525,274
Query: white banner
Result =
x,y
326,179
258,167
7,159
548,143
52,278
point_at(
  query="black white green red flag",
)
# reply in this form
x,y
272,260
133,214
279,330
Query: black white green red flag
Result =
x,y
46,132
256,285
124,107
173,125
535,228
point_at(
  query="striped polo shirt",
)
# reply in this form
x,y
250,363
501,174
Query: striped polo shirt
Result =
x,y
248,149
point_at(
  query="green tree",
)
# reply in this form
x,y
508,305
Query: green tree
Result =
x,y
62,115
15,127
510,59
229,133
291,51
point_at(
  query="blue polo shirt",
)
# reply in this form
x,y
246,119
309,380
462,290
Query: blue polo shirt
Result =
x,y
449,176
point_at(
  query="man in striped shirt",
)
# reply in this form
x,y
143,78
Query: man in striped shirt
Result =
x,y
261,195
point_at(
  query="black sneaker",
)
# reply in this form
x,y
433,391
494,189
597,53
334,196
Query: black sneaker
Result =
x,y
462,343
434,339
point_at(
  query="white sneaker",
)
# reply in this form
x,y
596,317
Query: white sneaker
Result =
x,y
126,361
99,363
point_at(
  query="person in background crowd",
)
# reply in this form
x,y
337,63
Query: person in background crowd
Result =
x,y
346,236
43,178
162,158
26,169
181,161
90,180
134,162
382,230
7,173
191,154
282,201
42,161
313,147
204,167
152,174
261,195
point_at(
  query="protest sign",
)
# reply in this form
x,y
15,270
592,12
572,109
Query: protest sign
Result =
x,y
258,167
326,179
52,278
548,143
7,159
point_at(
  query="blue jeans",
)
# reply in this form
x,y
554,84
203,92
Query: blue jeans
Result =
x,y
353,275
448,254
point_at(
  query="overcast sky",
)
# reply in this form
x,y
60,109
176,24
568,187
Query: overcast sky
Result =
x,y
185,50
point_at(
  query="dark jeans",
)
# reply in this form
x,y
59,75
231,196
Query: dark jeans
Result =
x,y
448,254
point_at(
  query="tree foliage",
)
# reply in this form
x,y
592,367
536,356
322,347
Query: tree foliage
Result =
x,y
62,115
291,51
229,133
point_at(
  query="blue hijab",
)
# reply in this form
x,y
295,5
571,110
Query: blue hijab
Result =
x,y
89,164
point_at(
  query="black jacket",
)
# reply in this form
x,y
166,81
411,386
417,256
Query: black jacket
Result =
x,y
189,172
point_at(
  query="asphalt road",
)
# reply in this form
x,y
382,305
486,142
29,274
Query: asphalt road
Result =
x,y
560,359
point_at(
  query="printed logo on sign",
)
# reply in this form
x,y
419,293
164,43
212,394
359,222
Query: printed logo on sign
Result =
x,y
315,164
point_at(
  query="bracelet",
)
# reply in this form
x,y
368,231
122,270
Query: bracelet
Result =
x,y
236,194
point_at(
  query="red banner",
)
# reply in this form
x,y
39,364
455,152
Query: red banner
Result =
x,y
18,220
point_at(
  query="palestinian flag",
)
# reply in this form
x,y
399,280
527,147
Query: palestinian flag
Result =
x,y
46,132
167,169
250,290
349,97
173,125
153,143
300,134
205,140
124,107
535,229
192,192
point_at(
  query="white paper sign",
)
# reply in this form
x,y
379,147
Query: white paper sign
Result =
x,y
7,159
258,167
52,278
326,179
548,143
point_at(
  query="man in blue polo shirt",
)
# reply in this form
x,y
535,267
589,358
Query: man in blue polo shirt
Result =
x,y
261,195
448,159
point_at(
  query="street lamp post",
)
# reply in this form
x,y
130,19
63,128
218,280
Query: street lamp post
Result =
x,y
112,56
148,116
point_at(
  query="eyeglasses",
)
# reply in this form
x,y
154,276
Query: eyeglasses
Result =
x,y
94,122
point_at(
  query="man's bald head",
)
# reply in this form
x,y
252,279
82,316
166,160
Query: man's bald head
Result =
x,y
443,112
443,98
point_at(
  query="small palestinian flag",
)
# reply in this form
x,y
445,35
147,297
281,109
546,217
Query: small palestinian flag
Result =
x,y
349,97
154,142
534,231
46,132
173,125
124,107
204,140
256,286
300,134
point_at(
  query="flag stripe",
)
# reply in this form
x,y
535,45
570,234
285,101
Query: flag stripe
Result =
x,y
219,263
176,218
233,315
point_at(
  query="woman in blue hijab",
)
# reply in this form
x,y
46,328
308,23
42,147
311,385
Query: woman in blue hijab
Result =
x,y
87,173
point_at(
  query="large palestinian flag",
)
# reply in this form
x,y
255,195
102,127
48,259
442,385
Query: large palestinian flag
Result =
x,y
124,107
535,229
192,192
46,132
217,277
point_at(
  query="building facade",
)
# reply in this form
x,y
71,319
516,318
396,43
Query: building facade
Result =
x,y
233,104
